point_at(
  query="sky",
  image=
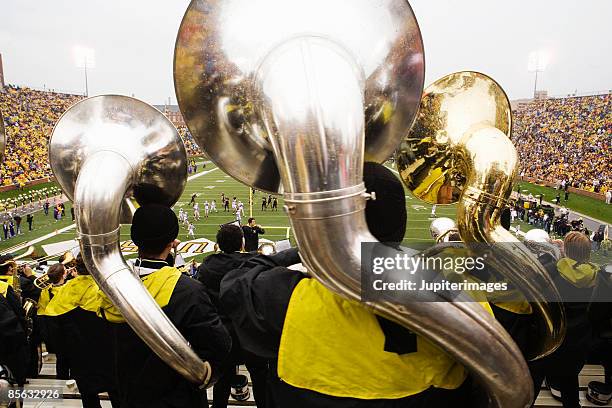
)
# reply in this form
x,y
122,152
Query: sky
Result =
x,y
134,42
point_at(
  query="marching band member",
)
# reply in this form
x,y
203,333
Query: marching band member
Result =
x,y
144,380
14,349
23,278
83,336
210,273
331,352
576,278
51,331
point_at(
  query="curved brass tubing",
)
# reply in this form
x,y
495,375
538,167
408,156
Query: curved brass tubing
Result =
x,y
104,150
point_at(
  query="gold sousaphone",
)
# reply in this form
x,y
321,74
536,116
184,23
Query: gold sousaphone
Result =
x,y
459,151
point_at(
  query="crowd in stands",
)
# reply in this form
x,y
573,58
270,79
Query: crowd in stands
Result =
x,y
29,116
566,141
190,144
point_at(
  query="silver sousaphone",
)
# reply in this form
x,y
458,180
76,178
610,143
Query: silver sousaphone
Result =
x,y
294,96
104,151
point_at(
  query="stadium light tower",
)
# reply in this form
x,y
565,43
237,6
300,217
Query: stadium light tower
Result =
x,y
85,57
538,60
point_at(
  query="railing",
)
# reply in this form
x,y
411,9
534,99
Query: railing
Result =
x,y
45,89
580,94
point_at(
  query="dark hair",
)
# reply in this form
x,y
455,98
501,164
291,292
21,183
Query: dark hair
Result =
x,y
56,273
250,219
229,238
80,266
4,259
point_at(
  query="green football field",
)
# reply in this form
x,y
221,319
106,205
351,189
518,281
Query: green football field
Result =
x,y
209,184
580,203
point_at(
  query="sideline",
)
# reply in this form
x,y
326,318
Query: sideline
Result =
x,y
555,206
72,226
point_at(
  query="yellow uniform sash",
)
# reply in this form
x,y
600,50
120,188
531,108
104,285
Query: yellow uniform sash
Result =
x,y
45,298
7,279
160,284
336,347
81,291
3,288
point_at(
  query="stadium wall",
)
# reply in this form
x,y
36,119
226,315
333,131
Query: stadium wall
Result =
x,y
28,184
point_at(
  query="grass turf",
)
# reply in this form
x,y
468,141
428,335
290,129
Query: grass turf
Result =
x,y
210,186
582,204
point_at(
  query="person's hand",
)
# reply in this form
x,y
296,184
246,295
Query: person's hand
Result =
x,y
175,243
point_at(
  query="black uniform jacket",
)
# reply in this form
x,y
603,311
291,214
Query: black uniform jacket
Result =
x,y
214,268
256,297
87,347
13,343
251,237
144,380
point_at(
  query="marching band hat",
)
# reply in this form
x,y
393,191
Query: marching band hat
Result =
x,y
599,393
386,213
154,226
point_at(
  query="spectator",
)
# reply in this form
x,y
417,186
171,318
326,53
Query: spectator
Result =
x,y
30,219
29,117
17,219
566,141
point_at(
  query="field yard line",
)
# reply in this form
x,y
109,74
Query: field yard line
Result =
x,y
201,174
60,231
43,238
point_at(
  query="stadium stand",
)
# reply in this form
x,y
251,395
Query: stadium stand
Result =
x,y
566,139
557,139
190,144
29,116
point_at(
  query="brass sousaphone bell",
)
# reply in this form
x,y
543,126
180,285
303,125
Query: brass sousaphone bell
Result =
x,y
459,151
294,96
103,151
